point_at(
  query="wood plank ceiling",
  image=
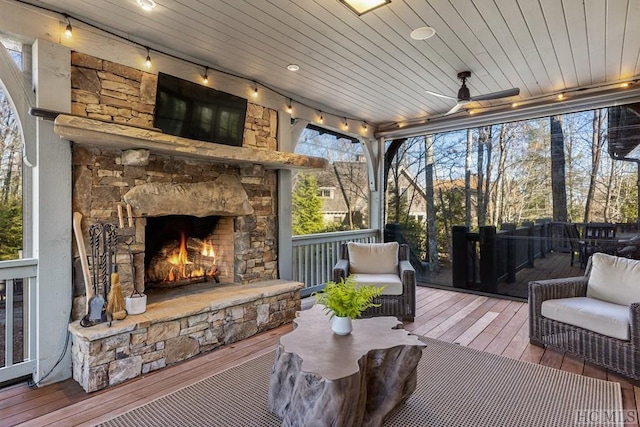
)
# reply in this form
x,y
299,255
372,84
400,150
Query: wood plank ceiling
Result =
x,y
369,68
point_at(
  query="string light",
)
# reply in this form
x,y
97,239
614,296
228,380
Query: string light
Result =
x,y
255,89
290,106
321,117
346,124
364,126
147,62
560,95
205,77
68,32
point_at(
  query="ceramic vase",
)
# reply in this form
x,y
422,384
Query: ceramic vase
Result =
x,y
341,325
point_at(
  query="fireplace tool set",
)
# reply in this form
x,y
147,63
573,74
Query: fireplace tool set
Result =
x,y
103,244
105,301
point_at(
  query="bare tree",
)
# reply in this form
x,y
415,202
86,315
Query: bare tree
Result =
x,y
597,142
558,183
432,231
467,179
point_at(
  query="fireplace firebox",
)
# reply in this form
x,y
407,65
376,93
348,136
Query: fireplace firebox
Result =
x,y
184,249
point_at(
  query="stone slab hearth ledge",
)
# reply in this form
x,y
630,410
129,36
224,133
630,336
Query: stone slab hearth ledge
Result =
x,y
99,133
179,324
173,306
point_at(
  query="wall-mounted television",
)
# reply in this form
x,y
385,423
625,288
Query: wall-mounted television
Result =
x,y
198,112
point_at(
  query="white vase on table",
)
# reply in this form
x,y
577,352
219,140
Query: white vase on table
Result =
x,y
341,325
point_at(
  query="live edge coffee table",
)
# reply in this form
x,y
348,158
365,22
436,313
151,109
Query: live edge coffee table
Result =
x,y
322,379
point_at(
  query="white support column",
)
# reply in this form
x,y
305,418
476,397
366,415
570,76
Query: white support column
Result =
x,y
374,151
288,136
52,214
285,248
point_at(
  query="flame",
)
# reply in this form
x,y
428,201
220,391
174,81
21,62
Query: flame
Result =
x,y
183,268
207,250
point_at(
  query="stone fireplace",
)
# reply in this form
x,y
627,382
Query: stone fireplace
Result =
x,y
176,196
170,196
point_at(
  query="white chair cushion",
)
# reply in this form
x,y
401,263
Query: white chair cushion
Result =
x,y
373,258
595,315
391,282
614,279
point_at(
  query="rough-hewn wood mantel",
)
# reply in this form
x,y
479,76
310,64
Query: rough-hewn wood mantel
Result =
x,y
83,130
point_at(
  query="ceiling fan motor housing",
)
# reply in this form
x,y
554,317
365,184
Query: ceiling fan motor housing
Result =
x,y
463,92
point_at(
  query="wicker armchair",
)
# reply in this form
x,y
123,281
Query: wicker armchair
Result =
x,y
403,306
619,355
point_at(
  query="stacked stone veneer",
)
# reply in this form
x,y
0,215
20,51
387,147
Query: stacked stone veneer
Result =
x,y
177,329
101,177
103,356
112,92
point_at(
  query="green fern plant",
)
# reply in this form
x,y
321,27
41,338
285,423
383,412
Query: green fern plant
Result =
x,y
345,299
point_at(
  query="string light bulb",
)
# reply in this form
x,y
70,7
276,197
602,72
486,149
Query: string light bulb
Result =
x,y
147,62
68,32
205,77
321,117
290,106
364,126
561,96
346,124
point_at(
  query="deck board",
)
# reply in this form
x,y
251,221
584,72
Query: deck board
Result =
x,y
485,323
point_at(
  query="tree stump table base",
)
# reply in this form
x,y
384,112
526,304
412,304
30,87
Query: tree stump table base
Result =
x,y
320,378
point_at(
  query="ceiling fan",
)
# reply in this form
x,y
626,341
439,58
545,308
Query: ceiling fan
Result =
x,y
464,97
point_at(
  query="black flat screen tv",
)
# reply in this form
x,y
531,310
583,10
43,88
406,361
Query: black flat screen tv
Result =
x,y
198,112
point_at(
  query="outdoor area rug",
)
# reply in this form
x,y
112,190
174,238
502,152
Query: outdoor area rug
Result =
x,y
457,387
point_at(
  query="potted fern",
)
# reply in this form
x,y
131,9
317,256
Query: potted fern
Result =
x,y
346,301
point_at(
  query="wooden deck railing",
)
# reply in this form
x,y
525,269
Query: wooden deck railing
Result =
x,y
484,258
315,255
17,303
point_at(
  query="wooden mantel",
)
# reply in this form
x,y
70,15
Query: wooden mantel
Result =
x,y
98,133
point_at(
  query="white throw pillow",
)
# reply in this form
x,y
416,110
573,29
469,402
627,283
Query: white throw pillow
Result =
x,y
614,279
373,258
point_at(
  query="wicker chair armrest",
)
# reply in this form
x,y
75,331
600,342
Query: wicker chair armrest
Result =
x,y
407,275
542,290
634,319
568,287
341,270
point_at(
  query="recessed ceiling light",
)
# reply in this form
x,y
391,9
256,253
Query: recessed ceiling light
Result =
x,y
423,33
146,4
360,7
293,67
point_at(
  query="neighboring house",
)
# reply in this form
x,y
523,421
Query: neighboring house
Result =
x,y
344,182
343,187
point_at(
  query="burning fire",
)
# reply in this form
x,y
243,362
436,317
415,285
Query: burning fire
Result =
x,y
207,250
183,268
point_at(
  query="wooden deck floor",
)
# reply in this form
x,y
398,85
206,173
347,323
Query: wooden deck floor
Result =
x,y
489,324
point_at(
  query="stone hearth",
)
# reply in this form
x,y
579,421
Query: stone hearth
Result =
x,y
177,326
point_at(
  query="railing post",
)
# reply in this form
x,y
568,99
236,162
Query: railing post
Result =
x,y
531,248
488,259
460,256
511,251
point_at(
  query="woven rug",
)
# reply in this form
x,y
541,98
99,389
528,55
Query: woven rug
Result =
x,y
457,387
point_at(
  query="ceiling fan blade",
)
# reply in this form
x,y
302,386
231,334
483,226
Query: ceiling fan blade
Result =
x,y
496,95
455,108
441,95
